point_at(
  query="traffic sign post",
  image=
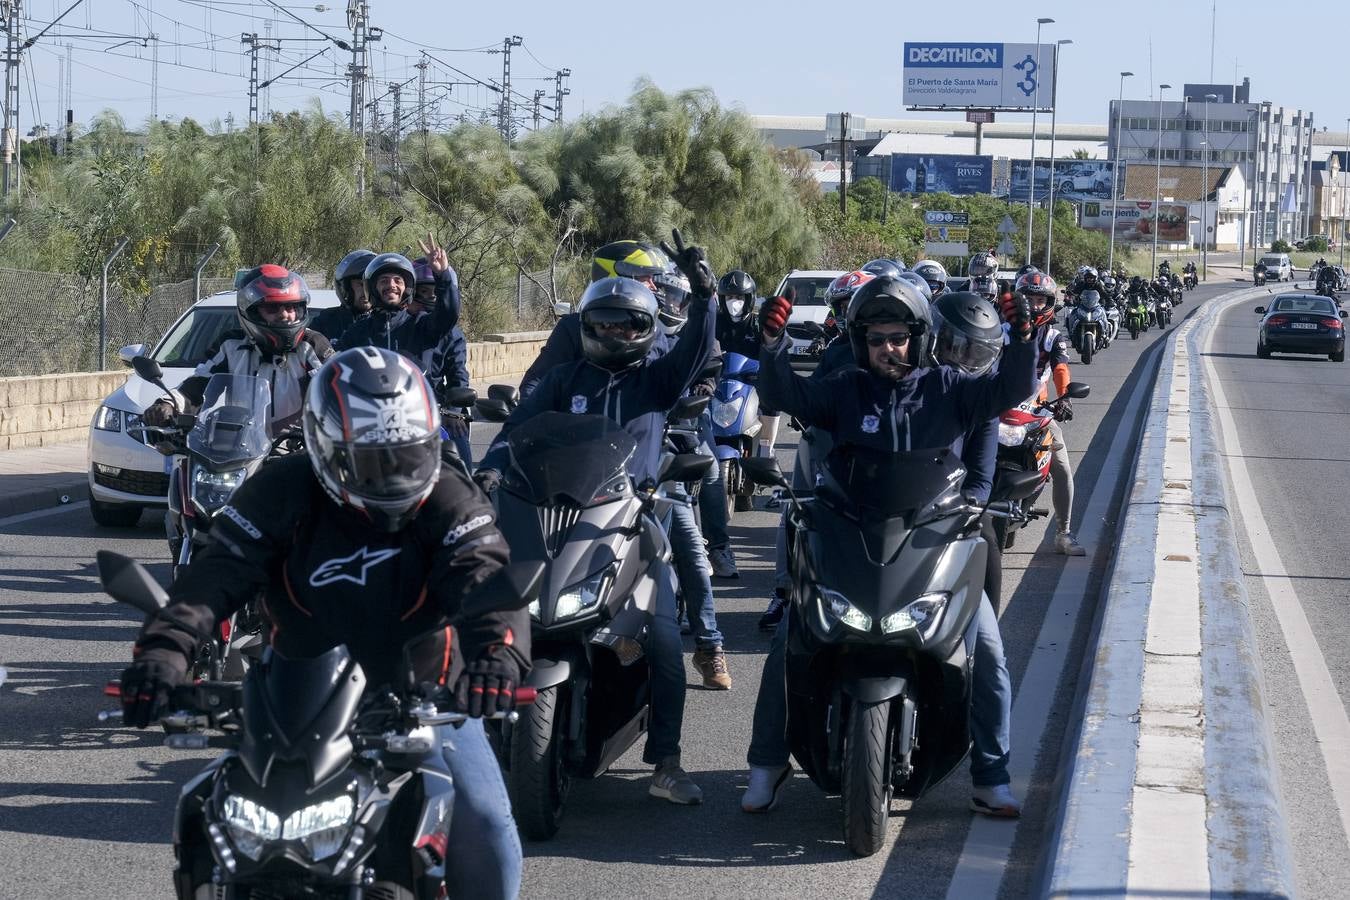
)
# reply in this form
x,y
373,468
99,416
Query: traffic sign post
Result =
x,y
946,233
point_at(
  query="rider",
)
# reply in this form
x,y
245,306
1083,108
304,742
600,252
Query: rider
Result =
x,y
365,540
350,285
736,333
391,281
895,399
933,273
447,364
617,377
1327,279
274,344
1087,279
1165,268
1053,363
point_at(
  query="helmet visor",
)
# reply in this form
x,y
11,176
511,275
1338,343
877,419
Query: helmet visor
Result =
x,y
960,351
626,323
388,471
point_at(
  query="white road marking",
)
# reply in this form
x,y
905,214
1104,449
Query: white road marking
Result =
x,y
1325,708
42,513
984,858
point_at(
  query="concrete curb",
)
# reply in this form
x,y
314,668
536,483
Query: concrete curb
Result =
x,y
1244,820
73,491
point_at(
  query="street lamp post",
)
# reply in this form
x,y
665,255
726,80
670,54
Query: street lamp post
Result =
x,y
1157,180
1054,106
1035,102
1204,215
1115,169
1343,192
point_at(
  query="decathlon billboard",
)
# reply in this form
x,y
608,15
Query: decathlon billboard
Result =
x,y
963,75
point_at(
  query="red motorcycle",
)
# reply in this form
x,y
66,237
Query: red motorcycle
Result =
x,y
1025,445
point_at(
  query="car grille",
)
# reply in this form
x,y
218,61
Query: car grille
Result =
x,y
557,522
131,481
802,332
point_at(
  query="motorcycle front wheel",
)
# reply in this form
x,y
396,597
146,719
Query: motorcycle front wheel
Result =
x,y
536,780
867,777
1086,348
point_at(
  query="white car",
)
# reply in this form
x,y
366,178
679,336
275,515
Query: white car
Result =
x,y
126,475
810,309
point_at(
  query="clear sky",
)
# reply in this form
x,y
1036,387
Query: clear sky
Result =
x,y
789,57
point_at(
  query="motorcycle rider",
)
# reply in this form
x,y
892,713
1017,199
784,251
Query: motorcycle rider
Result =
x,y
1327,280
736,333
365,540
447,364
1087,279
1053,363
274,344
350,285
1260,270
1165,269
391,281
618,377
889,329
934,273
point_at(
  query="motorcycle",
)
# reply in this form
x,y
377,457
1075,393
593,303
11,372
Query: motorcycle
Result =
x,y
1190,280
325,788
1112,322
1086,323
1137,314
735,425
1162,311
569,502
887,566
1259,276
1025,445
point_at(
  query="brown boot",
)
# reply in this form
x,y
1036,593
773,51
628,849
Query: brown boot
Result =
x,y
712,665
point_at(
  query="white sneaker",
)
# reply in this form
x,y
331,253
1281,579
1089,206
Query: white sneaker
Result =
x,y
766,783
1067,545
996,801
723,563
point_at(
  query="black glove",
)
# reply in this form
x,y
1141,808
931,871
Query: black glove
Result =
x,y
693,262
487,479
1017,313
1063,410
145,691
455,425
158,413
488,685
703,389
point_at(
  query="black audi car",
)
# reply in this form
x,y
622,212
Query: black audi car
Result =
x,y
1302,323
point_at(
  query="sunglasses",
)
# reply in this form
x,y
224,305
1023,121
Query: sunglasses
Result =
x,y
895,339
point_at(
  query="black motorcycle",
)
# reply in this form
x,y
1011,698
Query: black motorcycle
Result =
x,y
329,788
887,565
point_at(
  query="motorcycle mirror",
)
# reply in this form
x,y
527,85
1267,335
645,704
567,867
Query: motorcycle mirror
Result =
x,y
763,470
460,397
1344,314
687,466
507,393
690,407
148,369
712,370
127,581
491,409
1021,485
394,223
1261,309
1077,390
513,586
562,309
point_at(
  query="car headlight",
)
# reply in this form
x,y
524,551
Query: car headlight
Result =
x,y
212,490
922,614
1011,435
835,608
583,596
321,827
251,825
724,414
108,419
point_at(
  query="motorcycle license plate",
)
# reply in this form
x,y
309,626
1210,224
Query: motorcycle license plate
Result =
x,y
1303,325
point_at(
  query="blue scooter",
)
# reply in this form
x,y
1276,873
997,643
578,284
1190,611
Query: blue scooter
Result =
x,y
735,423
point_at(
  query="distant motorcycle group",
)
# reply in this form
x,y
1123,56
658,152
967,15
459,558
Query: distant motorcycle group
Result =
x,y
1100,306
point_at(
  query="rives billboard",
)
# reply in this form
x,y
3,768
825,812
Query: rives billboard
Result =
x,y
931,173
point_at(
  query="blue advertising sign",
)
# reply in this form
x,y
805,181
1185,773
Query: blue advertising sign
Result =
x,y
1075,179
931,173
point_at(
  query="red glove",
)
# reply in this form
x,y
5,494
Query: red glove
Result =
x,y
773,317
1017,313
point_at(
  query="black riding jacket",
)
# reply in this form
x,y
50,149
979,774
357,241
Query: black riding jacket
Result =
x,y
402,332
328,578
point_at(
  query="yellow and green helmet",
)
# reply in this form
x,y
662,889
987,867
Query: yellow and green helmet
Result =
x,y
628,259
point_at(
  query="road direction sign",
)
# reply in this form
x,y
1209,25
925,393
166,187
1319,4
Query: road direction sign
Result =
x,y
1007,226
1005,246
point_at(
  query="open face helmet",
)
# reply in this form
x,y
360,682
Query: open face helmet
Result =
x,y
352,266
390,264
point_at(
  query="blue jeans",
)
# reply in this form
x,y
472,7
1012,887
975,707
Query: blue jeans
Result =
x,y
712,498
485,858
691,567
990,709
665,657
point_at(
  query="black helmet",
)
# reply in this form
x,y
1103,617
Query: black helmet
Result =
x,y
934,273
1026,269
272,286
622,303
967,333
881,267
736,293
390,264
916,279
628,259
884,301
1089,278
353,265
373,434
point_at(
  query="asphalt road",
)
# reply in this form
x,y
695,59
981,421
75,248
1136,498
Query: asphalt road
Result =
x,y
1289,444
85,810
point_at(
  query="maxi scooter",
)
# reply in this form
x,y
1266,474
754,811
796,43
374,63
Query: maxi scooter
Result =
x,y
735,423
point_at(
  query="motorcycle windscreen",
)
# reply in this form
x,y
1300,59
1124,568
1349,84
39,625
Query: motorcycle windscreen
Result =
x,y
885,484
300,711
734,364
580,460
232,424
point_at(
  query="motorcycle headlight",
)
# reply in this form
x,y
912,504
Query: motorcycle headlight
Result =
x,y
1011,435
212,490
321,827
922,615
534,609
108,419
835,608
724,414
584,596
251,825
